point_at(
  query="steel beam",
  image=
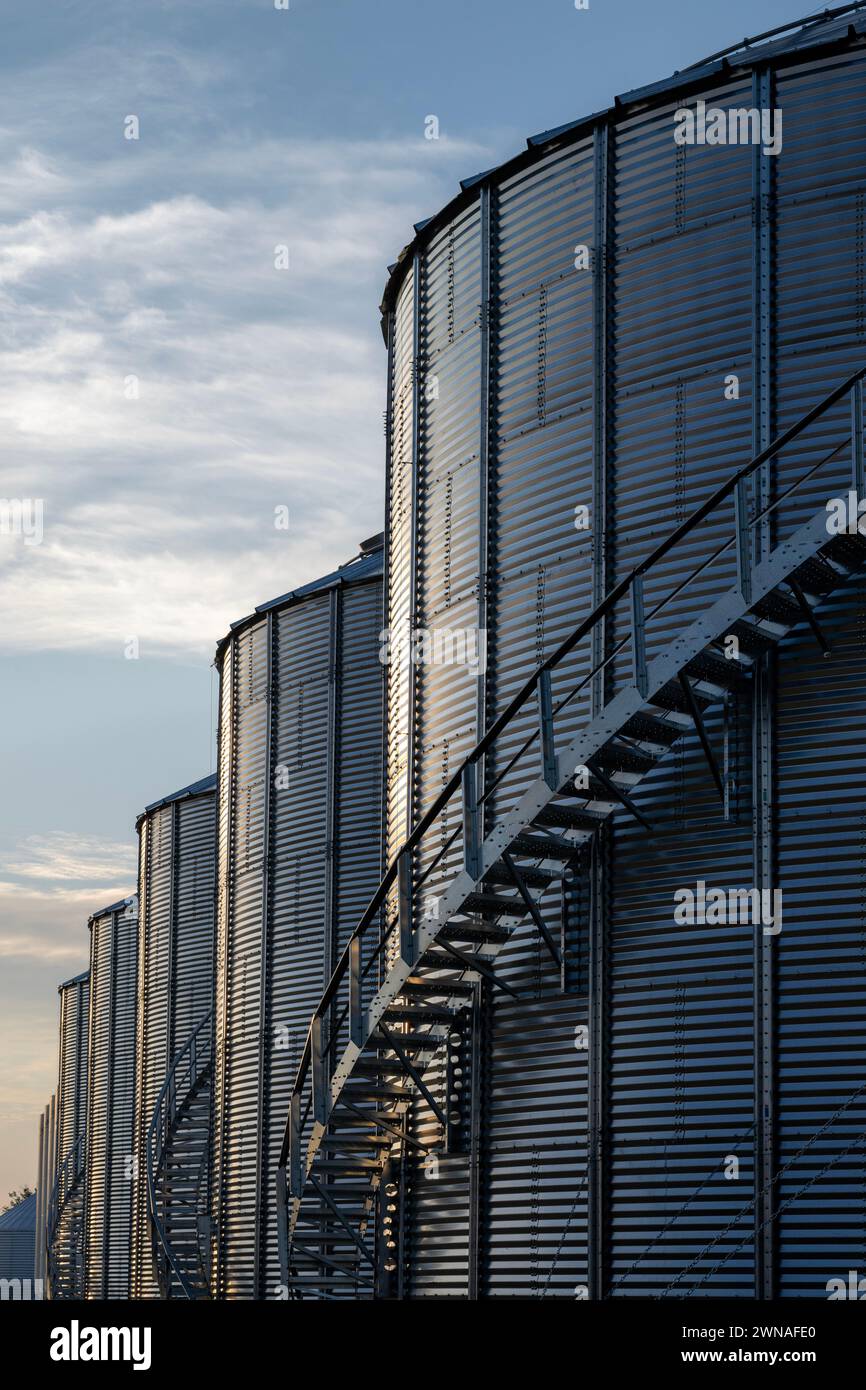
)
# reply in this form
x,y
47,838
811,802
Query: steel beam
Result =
x,y
602,265
764,750
532,908
700,726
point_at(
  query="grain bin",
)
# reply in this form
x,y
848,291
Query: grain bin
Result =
x,y
110,1168
299,853
64,1219
595,347
177,846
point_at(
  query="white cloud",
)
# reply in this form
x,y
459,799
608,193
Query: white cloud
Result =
x,y
65,855
253,388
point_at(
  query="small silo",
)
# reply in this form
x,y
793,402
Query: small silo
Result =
x,y
17,1241
64,1218
110,1170
177,850
298,836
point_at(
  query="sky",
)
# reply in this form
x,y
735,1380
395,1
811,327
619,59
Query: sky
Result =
x,y
198,203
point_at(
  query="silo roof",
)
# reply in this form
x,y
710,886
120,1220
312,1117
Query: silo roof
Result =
x,y
204,784
832,28
21,1217
112,907
367,565
74,980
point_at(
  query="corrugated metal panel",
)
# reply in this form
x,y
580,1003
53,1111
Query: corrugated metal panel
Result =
x,y
110,1167
821,973
821,981
607,388
299,857
177,852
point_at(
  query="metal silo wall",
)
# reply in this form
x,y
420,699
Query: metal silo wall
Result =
x,y
111,1101
557,388
177,853
69,1131
301,705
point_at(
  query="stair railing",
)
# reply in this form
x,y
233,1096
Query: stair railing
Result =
x,y
343,998
186,1072
66,1181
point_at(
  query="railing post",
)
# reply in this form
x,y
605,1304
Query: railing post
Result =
x,y
858,467
549,760
356,1021
744,540
296,1170
404,907
282,1227
471,824
320,1090
638,637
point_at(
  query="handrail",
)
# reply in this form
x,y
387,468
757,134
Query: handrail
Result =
x,y
531,685
157,1132
809,21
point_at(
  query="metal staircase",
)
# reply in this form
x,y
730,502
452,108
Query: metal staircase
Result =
x,y
177,1152
372,1051
65,1227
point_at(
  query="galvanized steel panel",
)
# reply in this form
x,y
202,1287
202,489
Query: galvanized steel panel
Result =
x,y
299,788
111,1094
177,856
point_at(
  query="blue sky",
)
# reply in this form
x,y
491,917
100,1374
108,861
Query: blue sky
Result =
x,y
164,387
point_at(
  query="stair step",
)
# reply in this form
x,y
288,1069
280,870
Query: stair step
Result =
x,y
417,988
346,1120
361,1191
616,757
848,551
559,815
374,1091
336,1142
378,1066
332,1235
644,728
350,1166
489,904
715,670
533,877
551,847
475,933
415,1013
816,577
417,1042
671,697
775,608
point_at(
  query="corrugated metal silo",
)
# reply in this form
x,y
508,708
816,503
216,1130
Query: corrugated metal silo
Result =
x,y
110,1169
299,853
584,348
177,851
65,1214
